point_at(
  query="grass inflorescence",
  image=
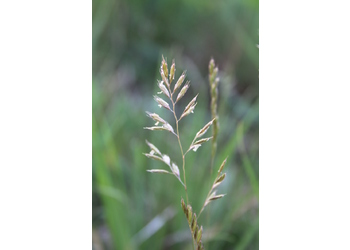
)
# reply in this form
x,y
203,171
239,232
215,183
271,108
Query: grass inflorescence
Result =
x,y
168,91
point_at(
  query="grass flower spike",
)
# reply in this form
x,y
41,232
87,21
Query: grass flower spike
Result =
x,y
161,124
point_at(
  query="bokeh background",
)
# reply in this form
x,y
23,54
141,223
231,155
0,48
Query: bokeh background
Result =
x,y
131,208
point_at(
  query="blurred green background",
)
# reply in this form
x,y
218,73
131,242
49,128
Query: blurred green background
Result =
x,y
134,209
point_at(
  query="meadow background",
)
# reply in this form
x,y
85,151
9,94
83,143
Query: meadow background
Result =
x,y
131,208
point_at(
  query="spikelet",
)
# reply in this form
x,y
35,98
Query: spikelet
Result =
x,y
163,89
215,197
222,165
162,103
156,118
189,209
179,81
182,91
164,72
219,180
202,131
153,148
189,108
172,72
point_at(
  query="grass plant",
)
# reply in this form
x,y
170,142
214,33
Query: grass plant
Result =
x,y
169,91
134,210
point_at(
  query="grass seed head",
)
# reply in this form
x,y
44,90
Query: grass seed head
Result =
x,y
213,83
164,85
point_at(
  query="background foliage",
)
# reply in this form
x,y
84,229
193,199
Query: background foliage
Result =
x,y
133,209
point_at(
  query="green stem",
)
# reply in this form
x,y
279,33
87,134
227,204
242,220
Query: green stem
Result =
x,y
182,153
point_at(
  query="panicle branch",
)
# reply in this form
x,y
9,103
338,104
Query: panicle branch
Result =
x,y
212,193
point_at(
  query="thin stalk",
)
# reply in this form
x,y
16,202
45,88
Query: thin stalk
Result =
x,y
190,146
183,163
211,189
182,153
211,172
204,203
